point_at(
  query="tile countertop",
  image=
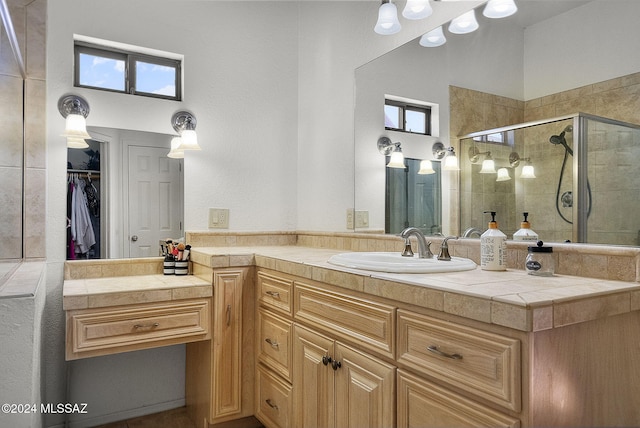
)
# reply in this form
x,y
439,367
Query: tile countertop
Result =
x,y
512,299
126,290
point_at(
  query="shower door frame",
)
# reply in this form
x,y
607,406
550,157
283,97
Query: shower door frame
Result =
x,y
580,209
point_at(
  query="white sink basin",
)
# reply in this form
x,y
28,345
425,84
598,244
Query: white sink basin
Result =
x,y
395,263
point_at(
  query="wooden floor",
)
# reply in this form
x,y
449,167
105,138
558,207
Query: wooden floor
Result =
x,y
175,418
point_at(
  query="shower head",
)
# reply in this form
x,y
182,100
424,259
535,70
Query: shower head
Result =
x,y
560,139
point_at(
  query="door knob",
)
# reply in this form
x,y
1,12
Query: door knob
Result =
x,y
134,238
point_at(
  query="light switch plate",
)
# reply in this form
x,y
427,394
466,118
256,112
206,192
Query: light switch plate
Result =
x,y
350,218
218,218
362,219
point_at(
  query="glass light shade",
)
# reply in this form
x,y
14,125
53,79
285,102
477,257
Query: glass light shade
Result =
x,y
527,172
451,163
76,127
500,8
417,9
503,174
387,20
189,140
397,160
465,23
176,152
488,167
77,143
433,38
426,168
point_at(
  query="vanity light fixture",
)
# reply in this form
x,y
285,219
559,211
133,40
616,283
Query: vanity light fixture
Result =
x,y
488,165
503,174
184,124
75,110
417,9
176,152
448,153
387,19
500,8
465,23
426,168
433,38
388,148
527,170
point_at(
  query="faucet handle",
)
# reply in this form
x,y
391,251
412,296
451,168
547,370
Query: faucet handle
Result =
x,y
444,249
407,252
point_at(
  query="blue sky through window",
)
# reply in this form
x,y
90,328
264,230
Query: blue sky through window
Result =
x,y
102,72
155,79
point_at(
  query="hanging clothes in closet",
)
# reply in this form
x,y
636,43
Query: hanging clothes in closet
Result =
x,y
83,209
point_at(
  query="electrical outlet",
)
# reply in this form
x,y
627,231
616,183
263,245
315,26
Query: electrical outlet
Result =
x,y
218,218
350,220
362,219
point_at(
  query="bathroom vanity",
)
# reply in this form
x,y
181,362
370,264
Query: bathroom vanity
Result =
x,y
299,342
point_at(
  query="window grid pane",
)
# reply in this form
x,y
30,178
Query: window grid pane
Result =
x,y
155,79
102,72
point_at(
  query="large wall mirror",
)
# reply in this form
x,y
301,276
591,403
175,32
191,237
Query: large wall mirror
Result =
x,y
548,63
124,193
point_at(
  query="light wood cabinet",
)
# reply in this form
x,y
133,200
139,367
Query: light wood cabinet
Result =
x,y
114,329
425,404
220,373
338,386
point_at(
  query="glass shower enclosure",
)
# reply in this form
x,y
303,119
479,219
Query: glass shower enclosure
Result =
x,y
585,185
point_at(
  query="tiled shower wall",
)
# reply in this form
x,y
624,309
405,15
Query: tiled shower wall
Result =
x,y
29,21
617,98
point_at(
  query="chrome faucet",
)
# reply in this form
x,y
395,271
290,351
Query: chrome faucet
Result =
x,y
444,249
424,247
472,231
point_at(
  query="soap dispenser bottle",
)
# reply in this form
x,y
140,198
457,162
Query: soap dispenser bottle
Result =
x,y
493,247
525,233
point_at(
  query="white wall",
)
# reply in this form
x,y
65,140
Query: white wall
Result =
x,y
589,44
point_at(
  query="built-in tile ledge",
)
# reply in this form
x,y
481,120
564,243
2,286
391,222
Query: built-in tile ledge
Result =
x,y
21,279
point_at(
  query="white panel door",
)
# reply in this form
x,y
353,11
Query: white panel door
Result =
x,y
155,200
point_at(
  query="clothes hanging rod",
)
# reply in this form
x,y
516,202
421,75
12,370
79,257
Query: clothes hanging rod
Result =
x,y
83,171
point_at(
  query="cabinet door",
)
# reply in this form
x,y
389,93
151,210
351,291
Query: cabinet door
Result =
x,y
313,381
227,343
364,391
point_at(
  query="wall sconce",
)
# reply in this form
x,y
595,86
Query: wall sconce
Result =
x,y
465,23
184,124
488,165
433,38
176,152
527,170
426,168
75,110
387,19
386,147
450,161
417,9
503,174
499,8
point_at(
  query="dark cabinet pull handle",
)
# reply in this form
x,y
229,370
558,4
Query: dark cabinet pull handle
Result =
x,y
228,315
150,325
270,404
436,351
336,365
273,294
272,343
326,360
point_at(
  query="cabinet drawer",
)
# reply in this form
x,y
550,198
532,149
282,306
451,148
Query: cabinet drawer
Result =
x,y
92,332
274,397
482,363
275,292
423,404
275,343
370,324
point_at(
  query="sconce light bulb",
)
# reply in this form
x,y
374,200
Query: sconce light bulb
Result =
x,y
189,140
488,167
451,163
465,23
433,38
76,127
527,172
417,9
503,175
426,168
397,159
387,19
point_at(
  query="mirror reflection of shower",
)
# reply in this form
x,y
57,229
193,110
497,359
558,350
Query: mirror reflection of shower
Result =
x,y
566,199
